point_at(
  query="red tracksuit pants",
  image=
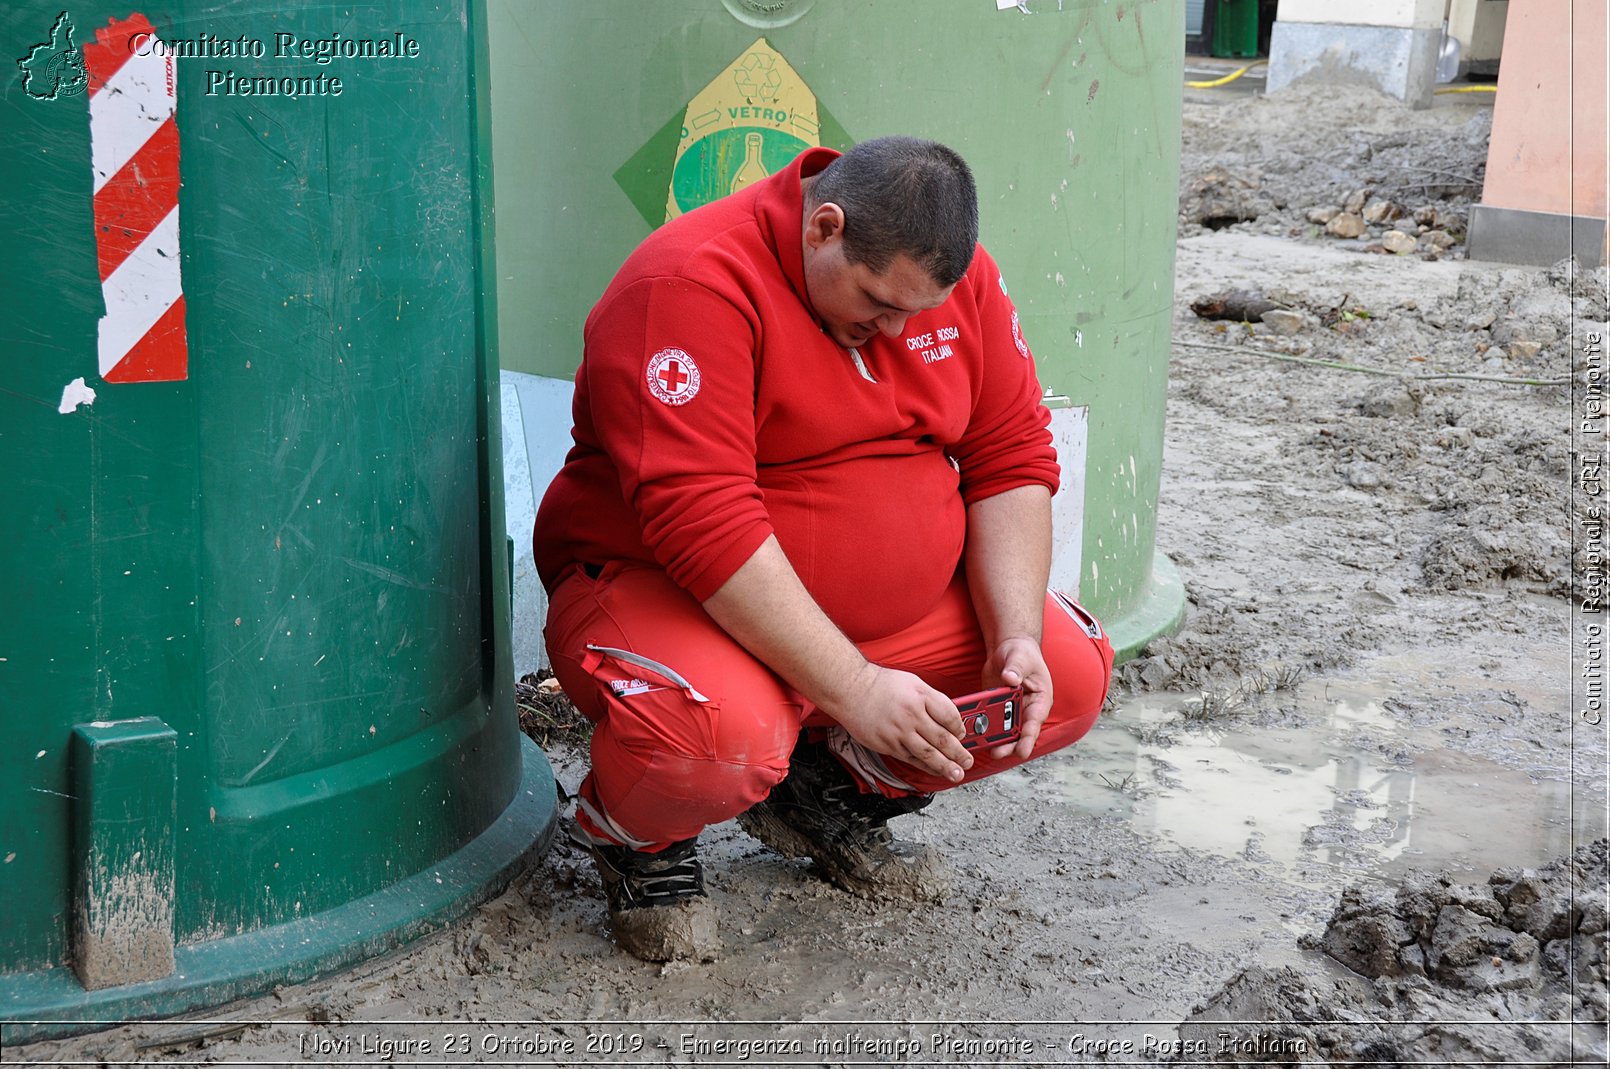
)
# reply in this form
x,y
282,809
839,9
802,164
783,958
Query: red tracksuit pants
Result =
x,y
690,729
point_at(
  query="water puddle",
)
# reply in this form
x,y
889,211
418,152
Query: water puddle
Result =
x,y
1353,790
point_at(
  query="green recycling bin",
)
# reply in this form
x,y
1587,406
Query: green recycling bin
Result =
x,y
1235,28
1068,112
254,664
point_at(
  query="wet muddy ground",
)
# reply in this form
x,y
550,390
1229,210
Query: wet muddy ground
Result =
x,y
1327,821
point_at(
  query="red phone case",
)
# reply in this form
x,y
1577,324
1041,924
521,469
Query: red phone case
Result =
x,y
991,717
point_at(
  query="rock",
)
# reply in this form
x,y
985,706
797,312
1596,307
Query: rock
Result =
x,y
1323,215
1512,329
1239,306
1363,476
1426,215
1524,350
1355,201
1283,321
1391,400
1481,320
1345,225
1399,242
1381,211
1439,239
1222,198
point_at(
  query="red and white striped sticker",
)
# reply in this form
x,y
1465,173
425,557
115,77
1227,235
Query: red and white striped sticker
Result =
x,y
134,152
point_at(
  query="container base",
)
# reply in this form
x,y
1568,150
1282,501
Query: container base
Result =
x,y
50,1003
1160,611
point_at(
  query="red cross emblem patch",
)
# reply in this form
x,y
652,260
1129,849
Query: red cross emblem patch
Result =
x,y
673,377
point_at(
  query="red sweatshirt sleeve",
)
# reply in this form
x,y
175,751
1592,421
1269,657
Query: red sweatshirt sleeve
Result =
x,y
671,383
1007,443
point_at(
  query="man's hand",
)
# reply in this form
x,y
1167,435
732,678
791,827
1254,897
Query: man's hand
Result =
x,y
897,714
765,607
1018,661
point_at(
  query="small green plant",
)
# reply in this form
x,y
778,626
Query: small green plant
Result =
x,y
1215,704
1121,786
1289,676
1267,680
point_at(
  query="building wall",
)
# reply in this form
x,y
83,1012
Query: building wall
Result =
x,y
1545,192
1548,147
1479,26
1403,14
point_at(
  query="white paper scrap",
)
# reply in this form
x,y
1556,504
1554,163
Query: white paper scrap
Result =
x,y
75,393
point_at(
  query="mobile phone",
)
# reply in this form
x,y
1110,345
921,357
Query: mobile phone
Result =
x,y
991,717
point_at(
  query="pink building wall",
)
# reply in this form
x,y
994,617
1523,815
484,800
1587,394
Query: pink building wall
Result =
x,y
1548,151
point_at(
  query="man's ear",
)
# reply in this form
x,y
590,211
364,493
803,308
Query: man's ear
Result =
x,y
824,225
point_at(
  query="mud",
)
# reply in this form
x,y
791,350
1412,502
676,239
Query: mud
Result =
x,y
1291,163
687,931
1451,968
1377,646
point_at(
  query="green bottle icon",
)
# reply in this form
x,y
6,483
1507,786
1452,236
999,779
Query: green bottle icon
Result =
x,y
751,170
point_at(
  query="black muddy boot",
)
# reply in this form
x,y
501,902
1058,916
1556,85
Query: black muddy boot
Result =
x,y
820,812
658,909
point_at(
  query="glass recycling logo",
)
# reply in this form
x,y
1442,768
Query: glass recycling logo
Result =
x,y
55,68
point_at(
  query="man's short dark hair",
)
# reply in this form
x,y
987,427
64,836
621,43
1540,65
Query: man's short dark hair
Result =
x,y
904,195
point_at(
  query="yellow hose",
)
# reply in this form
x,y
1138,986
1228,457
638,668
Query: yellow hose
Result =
x,y
1227,79
1467,89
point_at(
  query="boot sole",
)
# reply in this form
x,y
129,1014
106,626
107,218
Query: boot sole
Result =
x,y
919,877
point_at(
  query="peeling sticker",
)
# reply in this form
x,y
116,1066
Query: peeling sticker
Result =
x,y
134,150
75,393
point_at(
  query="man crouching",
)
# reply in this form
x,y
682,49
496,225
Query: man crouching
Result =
x,y
809,503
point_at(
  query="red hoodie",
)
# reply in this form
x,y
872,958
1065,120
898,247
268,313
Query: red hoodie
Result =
x,y
711,411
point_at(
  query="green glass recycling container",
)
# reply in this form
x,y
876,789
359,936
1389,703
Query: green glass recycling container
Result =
x,y
611,115
258,714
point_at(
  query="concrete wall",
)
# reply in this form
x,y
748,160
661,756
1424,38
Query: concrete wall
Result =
x,y
1404,14
1390,45
1545,192
1479,26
